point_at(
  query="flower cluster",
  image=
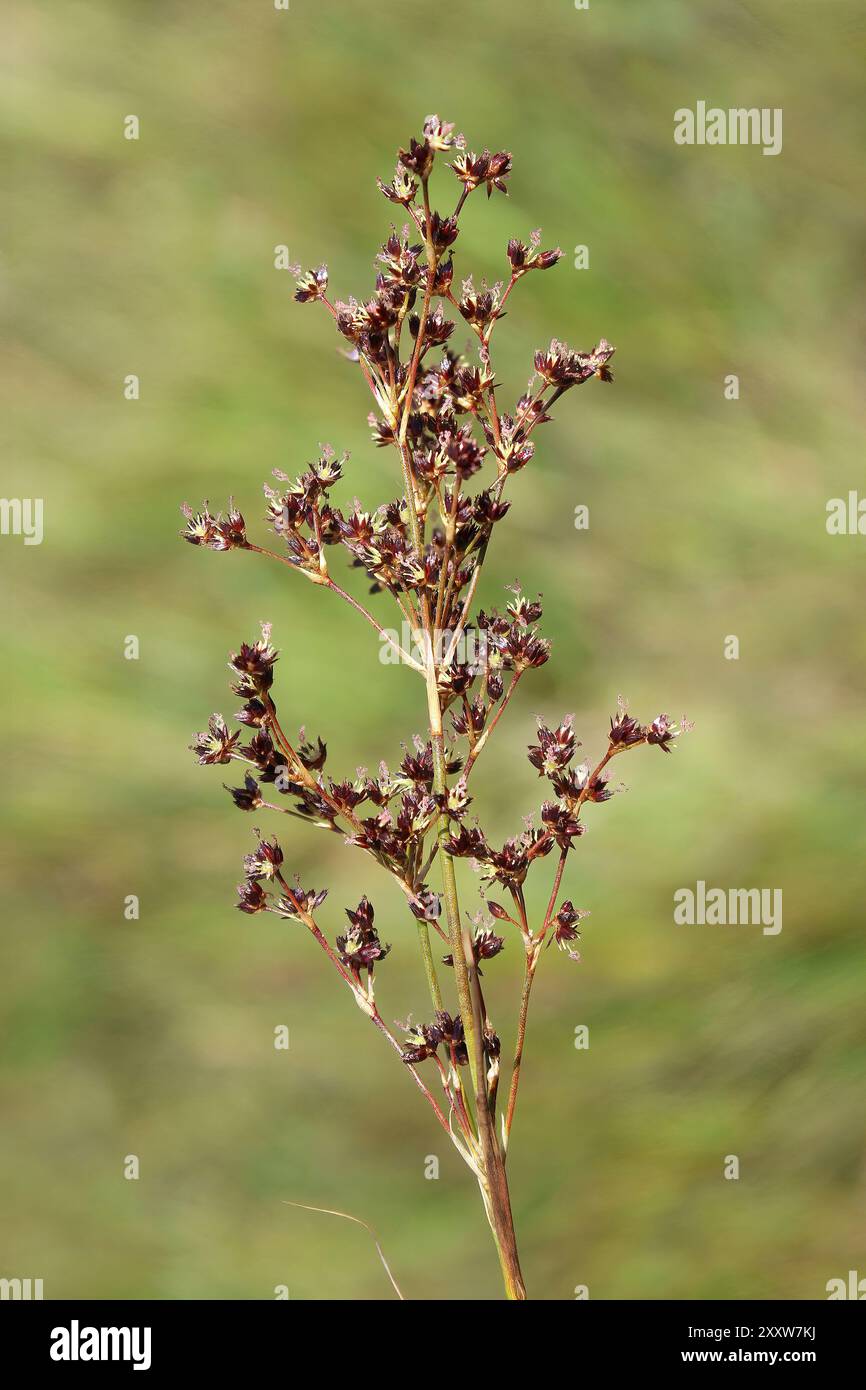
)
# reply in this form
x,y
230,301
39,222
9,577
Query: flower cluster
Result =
x,y
359,946
216,532
565,927
423,1041
457,439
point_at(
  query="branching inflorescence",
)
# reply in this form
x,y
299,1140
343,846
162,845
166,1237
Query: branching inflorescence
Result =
x,y
438,410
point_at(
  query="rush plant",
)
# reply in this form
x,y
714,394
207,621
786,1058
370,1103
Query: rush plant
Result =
x,y
424,551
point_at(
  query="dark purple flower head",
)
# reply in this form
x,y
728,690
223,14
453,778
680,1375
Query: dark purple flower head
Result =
x,y
449,1032
480,307
559,366
401,189
418,159
426,905
472,719
363,915
217,745
625,731
461,451
565,927
444,276
359,946
561,824
254,714
253,897
442,231
302,900
247,797
254,663
265,860
474,169
522,649
577,784
401,261
215,532
555,748
312,285
662,732
421,1043
440,134
312,755
467,842
524,610
485,944
261,751
529,257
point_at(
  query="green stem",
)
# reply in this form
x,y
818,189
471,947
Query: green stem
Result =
x,y
429,966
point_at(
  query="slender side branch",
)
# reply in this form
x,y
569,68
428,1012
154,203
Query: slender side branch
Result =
x,y
327,582
476,752
365,1003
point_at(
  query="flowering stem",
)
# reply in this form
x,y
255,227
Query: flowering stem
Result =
x,y
492,1180
494,1185
434,581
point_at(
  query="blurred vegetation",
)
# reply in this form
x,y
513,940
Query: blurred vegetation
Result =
x,y
707,518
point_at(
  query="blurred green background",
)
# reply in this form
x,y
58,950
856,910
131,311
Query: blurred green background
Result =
x,y
707,518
